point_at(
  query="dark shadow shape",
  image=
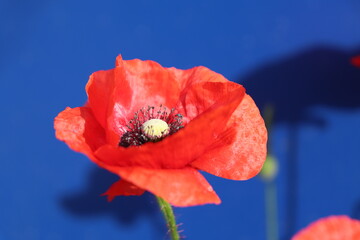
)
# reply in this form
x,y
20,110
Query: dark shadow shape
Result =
x,y
125,209
319,76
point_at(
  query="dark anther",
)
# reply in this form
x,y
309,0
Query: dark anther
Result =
x,y
134,135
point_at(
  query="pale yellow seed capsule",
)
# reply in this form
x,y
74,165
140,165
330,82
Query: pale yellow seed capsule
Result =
x,y
155,129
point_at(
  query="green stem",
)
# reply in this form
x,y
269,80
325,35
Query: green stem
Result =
x,y
271,211
270,185
166,209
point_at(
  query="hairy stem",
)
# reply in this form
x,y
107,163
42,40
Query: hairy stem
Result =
x,y
166,209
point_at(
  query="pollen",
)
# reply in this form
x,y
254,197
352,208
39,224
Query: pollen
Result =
x,y
155,129
151,124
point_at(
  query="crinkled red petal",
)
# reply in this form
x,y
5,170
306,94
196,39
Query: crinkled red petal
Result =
x,y
331,228
102,88
198,137
200,96
115,95
78,128
243,157
122,188
180,187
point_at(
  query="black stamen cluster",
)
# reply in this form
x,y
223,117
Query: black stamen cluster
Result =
x,y
134,135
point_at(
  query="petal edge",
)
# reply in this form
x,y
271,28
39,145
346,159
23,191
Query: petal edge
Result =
x,y
180,187
242,158
122,188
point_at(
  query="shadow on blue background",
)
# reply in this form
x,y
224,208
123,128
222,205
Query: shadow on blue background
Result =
x,y
318,76
356,210
126,210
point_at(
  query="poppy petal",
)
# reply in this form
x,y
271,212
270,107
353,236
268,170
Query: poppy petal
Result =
x,y
153,85
244,157
149,77
180,187
187,78
147,84
185,146
80,130
101,89
203,96
331,228
122,188
116,94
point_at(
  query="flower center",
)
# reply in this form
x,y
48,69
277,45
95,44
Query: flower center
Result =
x,y
155,129
151,125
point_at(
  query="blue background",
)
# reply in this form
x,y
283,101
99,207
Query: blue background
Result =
x,y
293,54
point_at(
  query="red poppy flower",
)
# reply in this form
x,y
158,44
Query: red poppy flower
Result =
x,y
156,127
356,61
331,228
